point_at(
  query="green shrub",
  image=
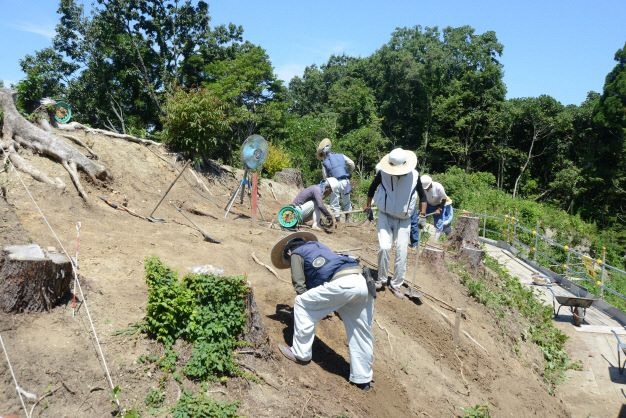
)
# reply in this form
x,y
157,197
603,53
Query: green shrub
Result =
x,y
207,311
169,303
199,405
277,160
155,398
476,411
195,123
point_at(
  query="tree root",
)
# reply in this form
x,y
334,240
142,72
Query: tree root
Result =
x,y
25,167
78,141
17,128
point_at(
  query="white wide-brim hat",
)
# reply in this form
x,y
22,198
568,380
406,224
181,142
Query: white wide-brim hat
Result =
x,y
398,162
277,255
320,148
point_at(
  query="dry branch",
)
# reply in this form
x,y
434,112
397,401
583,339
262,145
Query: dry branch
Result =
x,y
268,267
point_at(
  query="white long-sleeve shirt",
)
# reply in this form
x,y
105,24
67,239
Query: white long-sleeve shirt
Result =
x,y
436,194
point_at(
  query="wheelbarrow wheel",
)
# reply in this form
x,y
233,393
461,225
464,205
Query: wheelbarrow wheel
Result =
x,y
577,318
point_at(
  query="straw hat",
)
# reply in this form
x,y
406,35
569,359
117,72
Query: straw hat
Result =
x,y
278,258
398,162
320,148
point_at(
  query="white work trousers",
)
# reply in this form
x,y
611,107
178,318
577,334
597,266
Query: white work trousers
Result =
x,y
392,230
349,297
340,200
309,210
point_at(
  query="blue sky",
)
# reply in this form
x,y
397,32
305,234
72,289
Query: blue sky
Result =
x,y
563,48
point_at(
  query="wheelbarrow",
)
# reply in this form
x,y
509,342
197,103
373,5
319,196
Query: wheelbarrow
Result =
x,y
577,305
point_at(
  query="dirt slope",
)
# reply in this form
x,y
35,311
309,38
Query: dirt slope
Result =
x,y
418,370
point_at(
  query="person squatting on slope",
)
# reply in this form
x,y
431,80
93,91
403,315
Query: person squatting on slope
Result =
x,y
438,203
327,282
395,191
310,202
340,167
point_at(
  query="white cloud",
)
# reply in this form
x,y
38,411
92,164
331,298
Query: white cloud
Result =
x,y
46,32
340,48
317,56
289,71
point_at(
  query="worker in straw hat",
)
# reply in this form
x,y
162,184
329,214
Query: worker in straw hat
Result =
x,y
327,282
340,167
437,203
396,190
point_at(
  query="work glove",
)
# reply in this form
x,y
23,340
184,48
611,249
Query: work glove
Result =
x,y
421,222
369,213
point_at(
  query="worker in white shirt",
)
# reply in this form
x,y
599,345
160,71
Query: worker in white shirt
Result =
x,y
439,204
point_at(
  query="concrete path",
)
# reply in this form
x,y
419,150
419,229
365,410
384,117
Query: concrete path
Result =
x,y
598,389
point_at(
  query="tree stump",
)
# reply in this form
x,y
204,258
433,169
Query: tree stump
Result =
x,y
433,256
31,279
473,255
291,176
255,333
465,233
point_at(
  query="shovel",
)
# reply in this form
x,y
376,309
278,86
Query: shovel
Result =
x,y
412,293
204,234
151,217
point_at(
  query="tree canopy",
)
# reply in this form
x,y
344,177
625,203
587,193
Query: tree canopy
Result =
x,y
161,69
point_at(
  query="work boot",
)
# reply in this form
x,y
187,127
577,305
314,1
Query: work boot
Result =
x,y
363,386
397,292
288,352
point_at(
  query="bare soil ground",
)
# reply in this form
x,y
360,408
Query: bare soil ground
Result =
x,y
418,369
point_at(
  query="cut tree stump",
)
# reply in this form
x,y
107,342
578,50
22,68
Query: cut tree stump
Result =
x,y
433,256
465,233
473,255
255,332
31,279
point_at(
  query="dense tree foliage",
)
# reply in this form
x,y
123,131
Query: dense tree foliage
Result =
x,y
158,67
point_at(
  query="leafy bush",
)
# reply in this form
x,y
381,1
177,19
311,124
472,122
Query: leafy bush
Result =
x,y
476,411
303,135
169,303
195,124
277,160
155,398
199,405
205,310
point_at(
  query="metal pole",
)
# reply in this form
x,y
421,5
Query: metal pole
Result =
x,y
536,241
254,197
169,188
245,182
508,228
602,273
484,226
456,333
